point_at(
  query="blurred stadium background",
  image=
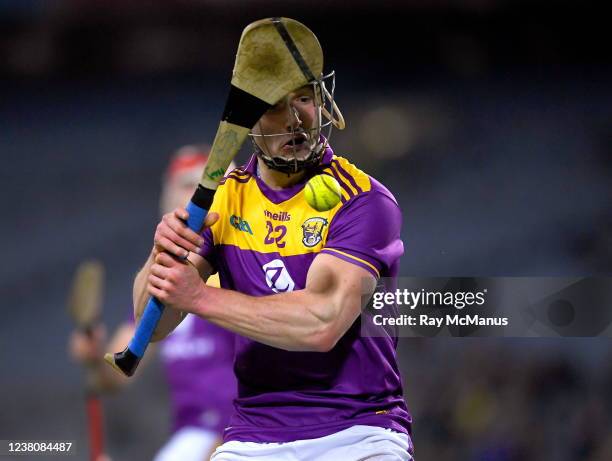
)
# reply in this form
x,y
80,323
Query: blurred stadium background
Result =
x,y
490,121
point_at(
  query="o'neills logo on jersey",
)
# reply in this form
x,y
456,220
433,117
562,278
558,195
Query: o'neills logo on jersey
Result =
x,y
240,224
313,230
282,216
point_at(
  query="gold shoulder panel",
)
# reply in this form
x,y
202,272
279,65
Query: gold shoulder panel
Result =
x,y
352,180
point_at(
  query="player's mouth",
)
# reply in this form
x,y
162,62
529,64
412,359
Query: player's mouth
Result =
x,y
298,141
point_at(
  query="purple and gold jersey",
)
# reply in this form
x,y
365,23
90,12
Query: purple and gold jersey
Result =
x,y
197,358
264,243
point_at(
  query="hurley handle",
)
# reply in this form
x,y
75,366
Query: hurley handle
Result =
x,y
127,360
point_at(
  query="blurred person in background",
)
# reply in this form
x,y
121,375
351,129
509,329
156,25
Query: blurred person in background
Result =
x,y
197,357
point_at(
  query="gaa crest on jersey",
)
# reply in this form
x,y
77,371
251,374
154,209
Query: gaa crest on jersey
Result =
x,y
312,230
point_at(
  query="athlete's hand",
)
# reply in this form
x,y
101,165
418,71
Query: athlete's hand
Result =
x,y
176,283
173,236
87,348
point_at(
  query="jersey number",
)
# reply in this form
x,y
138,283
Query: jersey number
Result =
x,y
275,235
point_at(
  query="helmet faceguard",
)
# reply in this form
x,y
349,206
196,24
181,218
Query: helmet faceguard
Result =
x,y
327,116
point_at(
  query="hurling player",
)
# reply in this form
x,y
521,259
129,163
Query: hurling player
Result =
x,y
310,385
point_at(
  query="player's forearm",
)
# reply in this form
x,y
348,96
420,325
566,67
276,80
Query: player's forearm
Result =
x,y
297,321
139,290
169,319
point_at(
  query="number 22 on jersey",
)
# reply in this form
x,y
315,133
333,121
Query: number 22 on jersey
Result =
x,y
275,234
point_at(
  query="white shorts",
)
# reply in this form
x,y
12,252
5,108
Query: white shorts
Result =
x,y
188,444
357,443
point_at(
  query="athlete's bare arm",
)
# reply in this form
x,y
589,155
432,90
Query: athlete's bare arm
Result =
x,y
174,237
312,319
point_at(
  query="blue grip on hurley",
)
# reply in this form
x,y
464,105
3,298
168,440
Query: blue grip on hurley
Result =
x,y
154,309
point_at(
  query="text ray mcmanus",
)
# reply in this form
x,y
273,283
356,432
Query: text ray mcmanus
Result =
x,y
438,322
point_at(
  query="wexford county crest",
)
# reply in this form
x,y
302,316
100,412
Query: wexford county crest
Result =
x,y
312,229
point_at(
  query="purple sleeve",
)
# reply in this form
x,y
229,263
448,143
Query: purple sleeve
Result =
x,y
208,249
366,232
